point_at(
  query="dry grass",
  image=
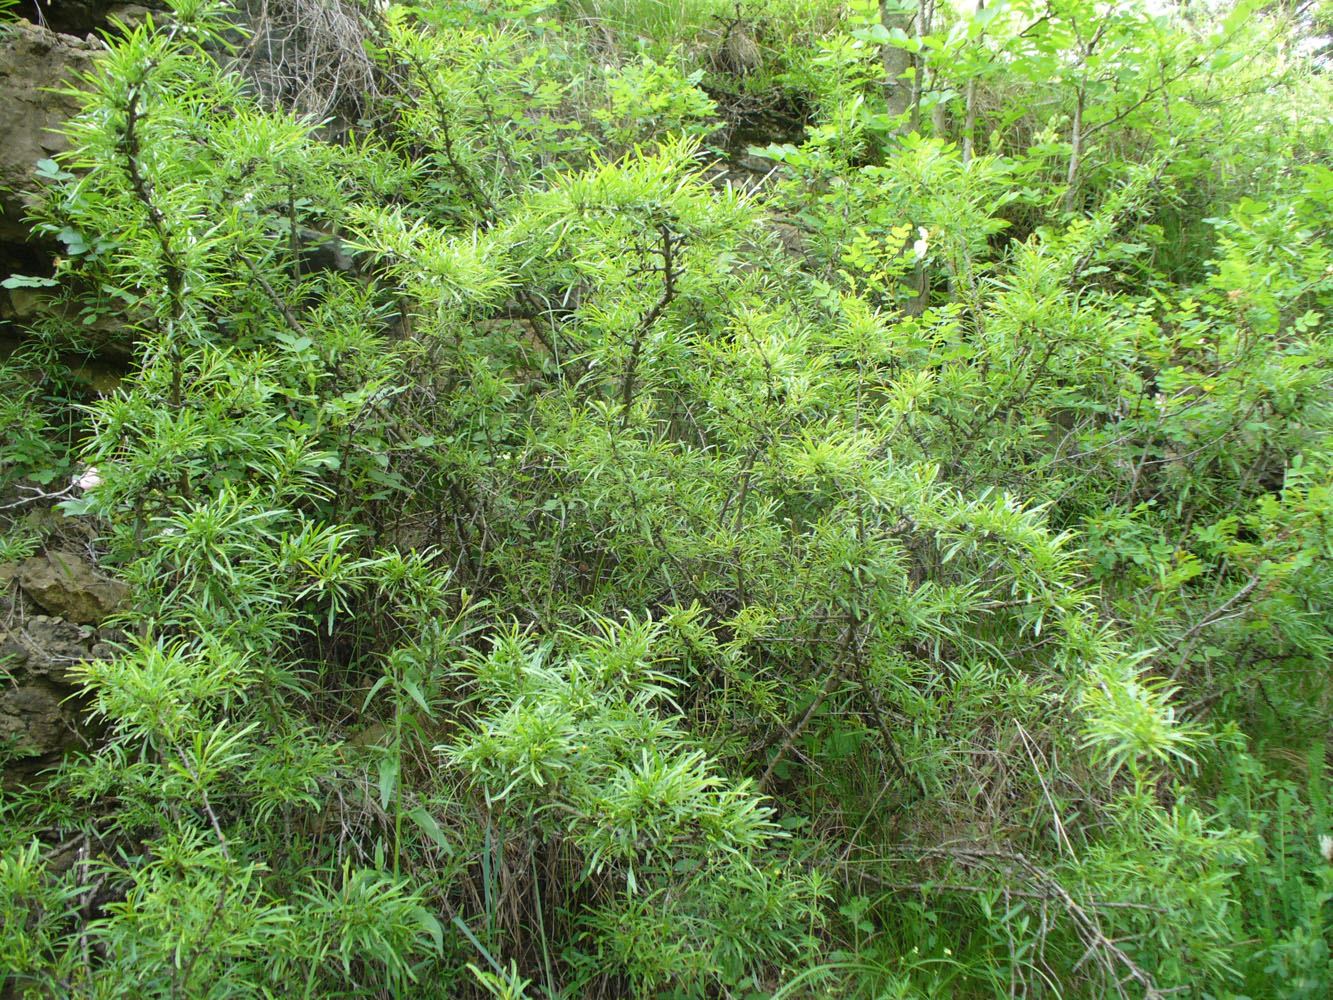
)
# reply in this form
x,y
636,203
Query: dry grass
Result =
x,y
311,55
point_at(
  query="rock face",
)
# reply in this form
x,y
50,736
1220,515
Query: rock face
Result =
x,y
64,583
69,17
38,719
32,59
41,715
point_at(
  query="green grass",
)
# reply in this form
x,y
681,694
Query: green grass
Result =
x,y
660,22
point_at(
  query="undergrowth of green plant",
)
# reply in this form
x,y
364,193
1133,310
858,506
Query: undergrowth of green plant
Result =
x,y
560,572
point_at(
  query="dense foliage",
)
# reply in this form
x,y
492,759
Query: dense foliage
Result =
x,y
560,571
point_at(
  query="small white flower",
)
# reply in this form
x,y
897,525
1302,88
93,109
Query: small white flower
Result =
x,y
922,245
1326,847
88,479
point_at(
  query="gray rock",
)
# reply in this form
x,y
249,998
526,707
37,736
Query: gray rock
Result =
x,y
64,583
40,711
33,59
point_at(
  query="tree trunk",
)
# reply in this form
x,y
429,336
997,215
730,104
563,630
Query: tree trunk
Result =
x,y
1075,153
969,120
970,110
897,91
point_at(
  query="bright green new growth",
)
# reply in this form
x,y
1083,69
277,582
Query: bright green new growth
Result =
x,y
583,588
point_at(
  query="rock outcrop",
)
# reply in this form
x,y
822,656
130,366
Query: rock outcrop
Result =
x,y
33,60
62,582
41,713
40,716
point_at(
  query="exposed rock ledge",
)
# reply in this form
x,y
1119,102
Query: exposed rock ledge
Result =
x,y
33,60
41,715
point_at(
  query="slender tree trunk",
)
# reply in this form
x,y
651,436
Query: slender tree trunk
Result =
x,y
970,110
914,123
969,120
934,84
939,126
924,10
1075,152
897,91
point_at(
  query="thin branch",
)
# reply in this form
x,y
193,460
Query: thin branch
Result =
x,y
636,349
